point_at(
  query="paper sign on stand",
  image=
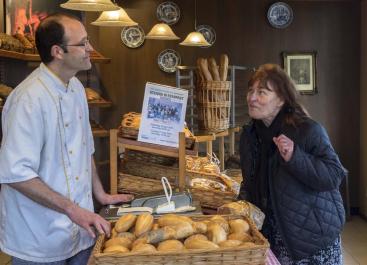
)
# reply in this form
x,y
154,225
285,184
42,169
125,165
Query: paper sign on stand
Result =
x,y
163,114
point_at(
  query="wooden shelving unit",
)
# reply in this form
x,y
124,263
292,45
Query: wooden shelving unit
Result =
x,y
124,143
100,132
100,103
96,57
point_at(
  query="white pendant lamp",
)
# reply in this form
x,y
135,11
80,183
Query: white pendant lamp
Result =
x,y
90,5
161,31
116,18
195,38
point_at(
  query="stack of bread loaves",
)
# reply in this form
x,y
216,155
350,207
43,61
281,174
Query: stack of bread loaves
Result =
x,y
208,70
142,234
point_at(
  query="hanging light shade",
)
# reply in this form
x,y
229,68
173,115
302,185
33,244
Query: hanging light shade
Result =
x,y
161,31
90,5
117,18
195,38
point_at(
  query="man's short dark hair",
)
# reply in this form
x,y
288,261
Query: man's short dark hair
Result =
x,y
50,32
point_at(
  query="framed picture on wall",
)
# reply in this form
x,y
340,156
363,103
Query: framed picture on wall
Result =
x,y
24,16
301,67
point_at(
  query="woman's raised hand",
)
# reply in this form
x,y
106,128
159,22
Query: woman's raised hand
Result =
x,y
285,146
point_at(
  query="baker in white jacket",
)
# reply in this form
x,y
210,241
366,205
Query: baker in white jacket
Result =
x,y
47,169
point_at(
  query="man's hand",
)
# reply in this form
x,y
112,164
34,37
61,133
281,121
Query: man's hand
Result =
x,y
285,146
116,198
89,221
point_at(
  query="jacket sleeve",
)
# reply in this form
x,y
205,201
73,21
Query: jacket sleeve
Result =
x,y
318,166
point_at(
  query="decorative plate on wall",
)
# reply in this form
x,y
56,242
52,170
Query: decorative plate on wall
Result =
x,y
280,15
133,36
168,12
208,33
168,60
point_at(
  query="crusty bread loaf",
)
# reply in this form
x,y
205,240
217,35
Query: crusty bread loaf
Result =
x,y
158,235
5,91
115,249
144,248
203,67
28,46
223,68
125,222
125,242
92,94
172,220
144,223
213,68
216,233
230,243
170,245
239,226
200,244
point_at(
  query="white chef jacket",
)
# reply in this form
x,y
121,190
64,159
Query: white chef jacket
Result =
x,y
46,133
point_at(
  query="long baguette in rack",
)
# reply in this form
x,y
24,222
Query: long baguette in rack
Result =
x,y
203,67
223,68
213,68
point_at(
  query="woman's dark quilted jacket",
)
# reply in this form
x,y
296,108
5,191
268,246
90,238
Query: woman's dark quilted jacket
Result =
x,y
304,192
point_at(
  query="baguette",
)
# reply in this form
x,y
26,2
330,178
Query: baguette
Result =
x,y
223,69
213,68
203,67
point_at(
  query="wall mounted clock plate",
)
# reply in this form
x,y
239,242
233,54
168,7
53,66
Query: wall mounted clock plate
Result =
x,y
133,36
280,15
168,60
168,12
208,33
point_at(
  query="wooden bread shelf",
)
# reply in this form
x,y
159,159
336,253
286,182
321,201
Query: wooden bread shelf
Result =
x,y
95,56
100,132
151,148
100,103
116,142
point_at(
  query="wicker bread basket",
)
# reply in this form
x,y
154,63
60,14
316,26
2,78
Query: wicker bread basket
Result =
x,y
214,105
140,186
242,255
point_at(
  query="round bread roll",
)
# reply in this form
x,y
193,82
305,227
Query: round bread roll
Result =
x,y
125,222
239,226
196,237
127,235
244,237
144,223
170,245
200,227
115,249
201,244
230,243
125,242
144,248
220,220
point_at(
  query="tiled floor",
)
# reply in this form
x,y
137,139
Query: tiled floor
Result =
x,y
354,240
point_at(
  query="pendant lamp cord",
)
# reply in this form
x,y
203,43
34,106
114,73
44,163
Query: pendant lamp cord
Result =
x,y
195,16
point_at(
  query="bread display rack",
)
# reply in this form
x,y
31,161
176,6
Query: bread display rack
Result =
x,y
141,175
124,143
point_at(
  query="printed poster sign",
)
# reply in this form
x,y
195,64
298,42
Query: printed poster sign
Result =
x,y
163,114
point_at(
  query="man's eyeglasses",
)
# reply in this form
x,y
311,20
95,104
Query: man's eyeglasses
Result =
x,y
84,44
